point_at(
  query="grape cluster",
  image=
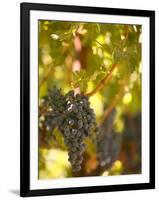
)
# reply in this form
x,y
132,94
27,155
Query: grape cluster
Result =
x,y
109,149
75,119
50,115
56,106
79,123
108,143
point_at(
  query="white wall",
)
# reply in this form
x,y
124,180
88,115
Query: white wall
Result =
x,y
9,98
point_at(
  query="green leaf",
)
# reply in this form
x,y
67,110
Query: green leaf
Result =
x,y
61,36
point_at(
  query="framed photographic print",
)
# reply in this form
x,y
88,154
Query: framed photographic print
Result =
x,y
87,99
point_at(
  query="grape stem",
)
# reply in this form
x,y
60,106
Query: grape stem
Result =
x,y
99,43
103,82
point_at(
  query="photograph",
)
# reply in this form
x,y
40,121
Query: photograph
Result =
x,y
89,99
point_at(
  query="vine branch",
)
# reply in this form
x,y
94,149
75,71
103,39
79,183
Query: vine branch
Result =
x,y
44,79
126,32
115,101
112,105
103,82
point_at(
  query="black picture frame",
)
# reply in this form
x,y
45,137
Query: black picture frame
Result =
x,y
25,9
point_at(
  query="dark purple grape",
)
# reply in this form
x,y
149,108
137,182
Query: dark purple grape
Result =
x,y
72,115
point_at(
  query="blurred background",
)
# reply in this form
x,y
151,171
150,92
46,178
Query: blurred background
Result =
x,y
78,56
